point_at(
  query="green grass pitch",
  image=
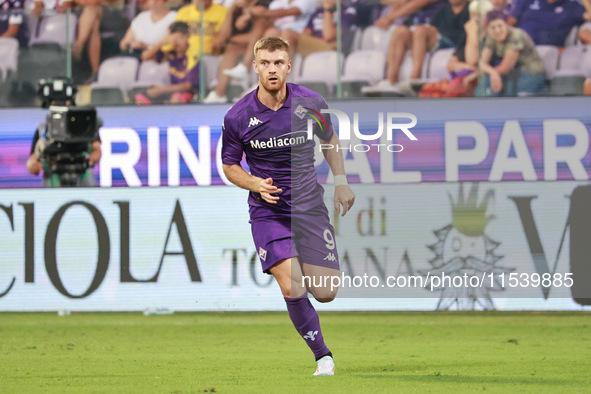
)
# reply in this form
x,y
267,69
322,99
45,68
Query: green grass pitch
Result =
x,y
261,352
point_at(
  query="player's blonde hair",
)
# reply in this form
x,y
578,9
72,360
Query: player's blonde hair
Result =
x,y
271,44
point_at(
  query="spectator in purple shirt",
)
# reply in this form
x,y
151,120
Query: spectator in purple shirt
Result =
x,y
320,33
548,22
11,21
183,69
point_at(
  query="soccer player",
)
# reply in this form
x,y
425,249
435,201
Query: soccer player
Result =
x,y
290,225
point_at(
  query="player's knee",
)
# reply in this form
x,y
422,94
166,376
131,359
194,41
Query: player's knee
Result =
x,y
325,294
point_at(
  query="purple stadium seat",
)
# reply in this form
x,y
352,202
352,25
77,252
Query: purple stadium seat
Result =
x,y
52,29
438,64
8,56
587,62
549,55
406,67
320,67
120,71
375,38
151,72
365,65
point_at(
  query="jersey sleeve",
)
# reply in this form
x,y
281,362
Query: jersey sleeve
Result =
x,y
232,150
326,130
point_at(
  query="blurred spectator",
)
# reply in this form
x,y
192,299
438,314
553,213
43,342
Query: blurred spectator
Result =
x,y
12,21
89,37
463,64
320,33
50,5
148,27
183,68
521,70
503,5
587,87
548,22
281,15
467,52
213,19
420,12
240,30
442,28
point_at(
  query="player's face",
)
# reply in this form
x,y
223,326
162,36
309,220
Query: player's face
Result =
x,y
272,69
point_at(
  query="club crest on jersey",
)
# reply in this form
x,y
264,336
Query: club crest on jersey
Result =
x,y
300,111
263,254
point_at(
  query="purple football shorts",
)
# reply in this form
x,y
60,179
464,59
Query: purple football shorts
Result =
x,y
309,236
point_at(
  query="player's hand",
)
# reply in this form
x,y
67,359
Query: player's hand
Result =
x,y
343,195
266,189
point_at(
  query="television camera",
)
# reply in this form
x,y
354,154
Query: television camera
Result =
x,y
68,133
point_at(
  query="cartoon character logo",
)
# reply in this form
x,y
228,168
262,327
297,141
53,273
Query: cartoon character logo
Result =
x,y
463,247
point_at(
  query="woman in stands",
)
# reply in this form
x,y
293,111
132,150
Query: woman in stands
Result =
x,y
521,70
148,27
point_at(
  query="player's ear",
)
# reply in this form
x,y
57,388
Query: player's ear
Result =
x,y
289,66
254,65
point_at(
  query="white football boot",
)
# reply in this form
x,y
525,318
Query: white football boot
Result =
x,y
325,366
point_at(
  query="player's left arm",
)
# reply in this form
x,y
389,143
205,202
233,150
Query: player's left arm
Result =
x,y
343,195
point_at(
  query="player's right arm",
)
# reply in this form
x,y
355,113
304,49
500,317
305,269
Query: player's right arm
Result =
x,y
238,176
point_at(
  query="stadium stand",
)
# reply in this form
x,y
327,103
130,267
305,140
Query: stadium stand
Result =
x,y
116,76
319,71
438,64
53,29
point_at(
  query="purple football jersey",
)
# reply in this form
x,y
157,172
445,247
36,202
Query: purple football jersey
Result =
x,y
180,67
276,145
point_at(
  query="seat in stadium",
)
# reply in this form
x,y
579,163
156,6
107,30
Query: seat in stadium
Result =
x,y
365,65
375,38
296,68
587,62
149,73
438,64
572,38
53,29
119,71
406,67
549,55
321,67
106,95
210,65
571,58
116,73
8,56
567,85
